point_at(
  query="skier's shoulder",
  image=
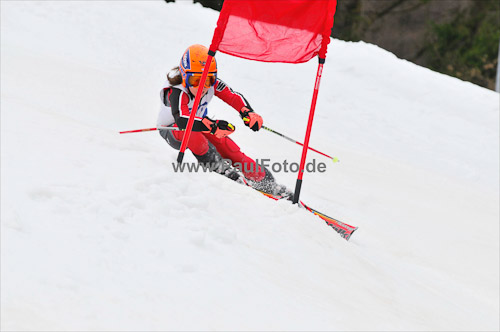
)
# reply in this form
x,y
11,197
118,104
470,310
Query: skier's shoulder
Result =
x,y
178,89
220,85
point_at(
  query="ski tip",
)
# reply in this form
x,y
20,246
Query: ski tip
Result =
x,y
348,236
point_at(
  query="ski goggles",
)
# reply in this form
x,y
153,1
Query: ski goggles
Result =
x,y
194,79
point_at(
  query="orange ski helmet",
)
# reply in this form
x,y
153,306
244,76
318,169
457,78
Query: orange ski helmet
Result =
x,y
192,64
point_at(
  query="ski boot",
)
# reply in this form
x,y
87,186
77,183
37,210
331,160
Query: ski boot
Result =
x,y
213,160
269,186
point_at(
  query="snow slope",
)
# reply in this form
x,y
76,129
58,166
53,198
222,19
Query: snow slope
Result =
x,y
99,233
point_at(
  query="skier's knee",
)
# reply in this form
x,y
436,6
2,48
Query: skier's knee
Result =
x,y
171,140
212,159
212,155
231,146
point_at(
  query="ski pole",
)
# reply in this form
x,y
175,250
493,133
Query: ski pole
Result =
x,y
334,159
148,129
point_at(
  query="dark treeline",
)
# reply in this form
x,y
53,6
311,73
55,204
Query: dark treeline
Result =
x,y
456,37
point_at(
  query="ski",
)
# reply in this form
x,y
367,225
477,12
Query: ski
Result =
x,y
345,230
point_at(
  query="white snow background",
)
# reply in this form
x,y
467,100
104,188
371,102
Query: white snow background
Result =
x,y
99,233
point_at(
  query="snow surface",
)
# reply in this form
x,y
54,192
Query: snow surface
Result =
x,y
99,233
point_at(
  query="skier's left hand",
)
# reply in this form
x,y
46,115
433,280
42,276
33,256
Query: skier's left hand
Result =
x,y
251,119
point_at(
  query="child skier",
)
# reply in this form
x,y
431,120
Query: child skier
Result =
x,y
209,141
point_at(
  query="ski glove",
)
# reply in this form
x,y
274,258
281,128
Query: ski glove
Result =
x,y
251,119
218,128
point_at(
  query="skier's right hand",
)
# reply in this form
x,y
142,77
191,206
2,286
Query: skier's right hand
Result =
x,y
218,128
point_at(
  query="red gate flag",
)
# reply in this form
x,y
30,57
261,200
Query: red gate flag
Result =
x,y
292,31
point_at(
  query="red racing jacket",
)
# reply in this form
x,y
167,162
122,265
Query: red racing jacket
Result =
x,y
178,103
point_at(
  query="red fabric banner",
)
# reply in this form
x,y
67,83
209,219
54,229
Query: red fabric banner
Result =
x,y
292,31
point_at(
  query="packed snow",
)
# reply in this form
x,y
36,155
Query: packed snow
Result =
x,y
99,233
